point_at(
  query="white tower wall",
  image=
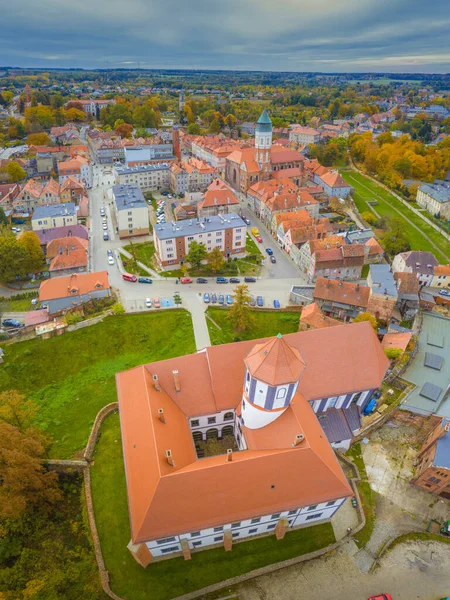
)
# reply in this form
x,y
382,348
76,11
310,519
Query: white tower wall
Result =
x,y
255,418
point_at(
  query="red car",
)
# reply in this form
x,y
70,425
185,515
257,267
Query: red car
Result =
x,y
259,239
129,277
381,597
186,280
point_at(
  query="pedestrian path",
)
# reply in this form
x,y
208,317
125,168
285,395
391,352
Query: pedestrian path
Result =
x,y
197,310
144,267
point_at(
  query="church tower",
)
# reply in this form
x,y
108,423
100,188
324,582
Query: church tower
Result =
x,y
181,101
263,143
271,381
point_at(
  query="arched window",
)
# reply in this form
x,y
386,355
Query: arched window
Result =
x,y
281,393
197,436
212,434
228,416
227,430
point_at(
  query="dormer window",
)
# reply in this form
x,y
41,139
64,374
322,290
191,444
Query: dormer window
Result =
x,y
74,291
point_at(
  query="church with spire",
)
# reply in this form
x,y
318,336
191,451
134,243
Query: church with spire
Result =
x,y
247,166
236,440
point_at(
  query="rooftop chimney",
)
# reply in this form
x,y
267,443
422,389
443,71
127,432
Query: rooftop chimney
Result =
x,y
161,415
169,458
176,380
298,439
229,455
357,287
156,383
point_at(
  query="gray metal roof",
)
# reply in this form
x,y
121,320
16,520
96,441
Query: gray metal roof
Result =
x,y
197,226
359,236
55,210
438,192
431,391
128,196
383,280
434,361
142,169
334,425
442,454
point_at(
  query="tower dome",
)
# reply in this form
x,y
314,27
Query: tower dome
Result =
x,y
273,372
264,124
263,142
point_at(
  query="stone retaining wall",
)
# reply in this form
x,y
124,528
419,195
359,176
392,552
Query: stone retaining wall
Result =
x,y
104,412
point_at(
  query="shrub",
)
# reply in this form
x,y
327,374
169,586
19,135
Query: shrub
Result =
x,y
73,318
118,308
393,353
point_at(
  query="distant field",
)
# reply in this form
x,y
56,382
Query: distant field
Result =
x,y
387,81
367,191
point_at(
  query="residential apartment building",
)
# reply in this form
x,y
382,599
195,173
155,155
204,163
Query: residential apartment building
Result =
x,y
54,215
341,299
60,294
79,168
36,193
304,135
441,277
215,202
333,184
66,256
214,149
418,262
194,175
433,460
435,198
92,108
107,151
172,240
332,258
276,394
383,292
148,178
130,210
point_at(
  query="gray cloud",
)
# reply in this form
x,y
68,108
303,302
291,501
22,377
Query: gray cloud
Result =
x,y
291,35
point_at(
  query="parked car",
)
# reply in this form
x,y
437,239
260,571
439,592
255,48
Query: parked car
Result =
x,y
206,298
12,323
381,597
148,303
252,301
276,304
105,237
269,251
229,299
102,212
259,239
221,299
444,292
221,280
201,280
105,227
246,220
129,277
213,298
273,260
145,280
186,280
16,229
260,301
110,260
250,279
235,280
156,303
109,252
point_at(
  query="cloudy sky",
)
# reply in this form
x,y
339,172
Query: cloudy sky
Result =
x,y
278,35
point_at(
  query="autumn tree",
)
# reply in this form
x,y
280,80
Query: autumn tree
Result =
x,y
215,259
3,218
124,130
14,171
35,257
365,316
369,218
16,410
24,482
38,139
193,129
13,257
197,253
74,104
240,313
76,115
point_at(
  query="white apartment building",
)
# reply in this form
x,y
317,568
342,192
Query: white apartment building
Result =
x,y
131,211
148,178
304,135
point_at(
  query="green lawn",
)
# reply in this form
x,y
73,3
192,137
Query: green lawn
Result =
x,y
18,303
142,252
265,324
367,191
71,377
366,495
171,578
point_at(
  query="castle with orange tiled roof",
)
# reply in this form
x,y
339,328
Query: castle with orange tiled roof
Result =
x,y
236,440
